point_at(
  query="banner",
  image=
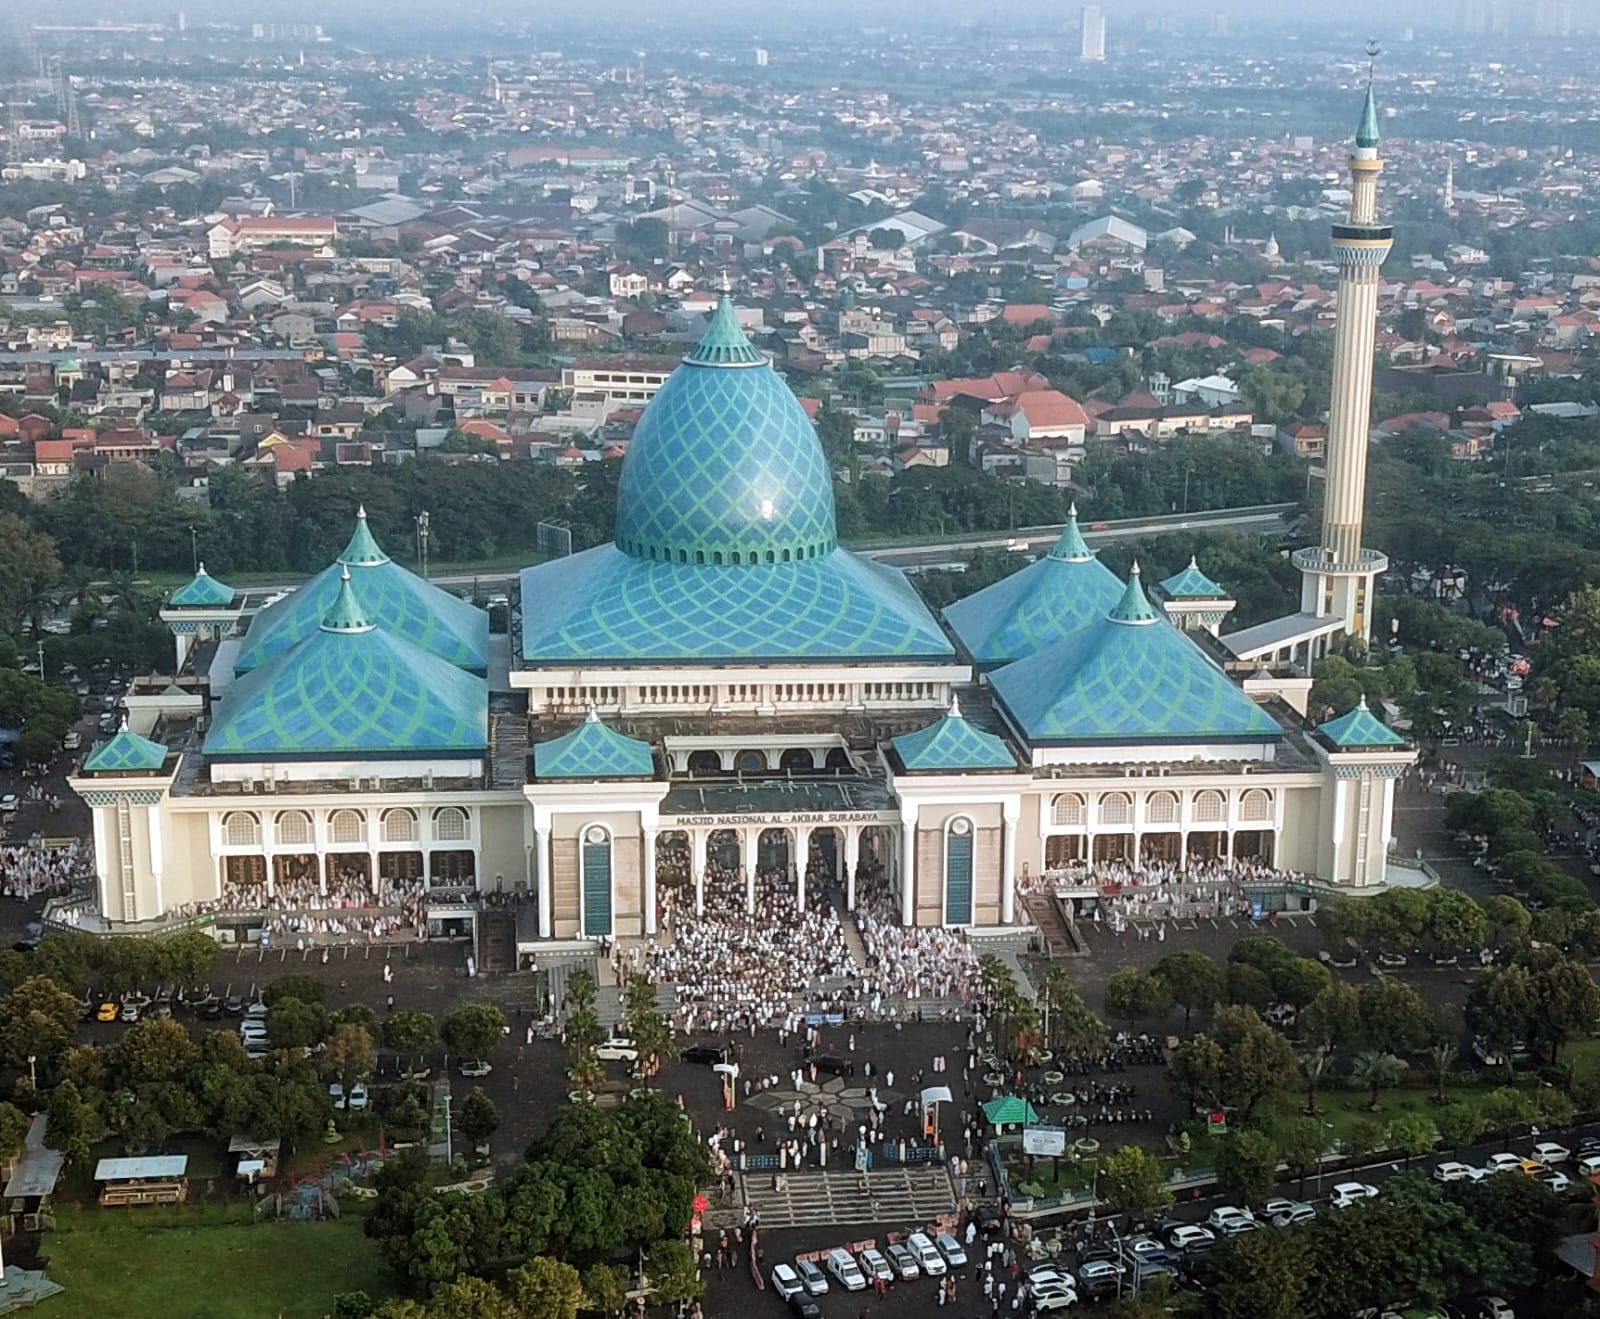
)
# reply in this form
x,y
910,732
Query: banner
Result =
x,y
1050,1142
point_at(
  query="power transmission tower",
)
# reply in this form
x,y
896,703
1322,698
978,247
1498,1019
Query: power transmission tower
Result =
x,y
74,124
14,141
60,83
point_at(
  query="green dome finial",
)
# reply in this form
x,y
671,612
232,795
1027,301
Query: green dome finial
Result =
x,y
724,342
362,551
1367,129
1071,547
346,613
1134,607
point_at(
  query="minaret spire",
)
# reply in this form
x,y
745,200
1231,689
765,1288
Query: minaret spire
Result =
x,y
1339,575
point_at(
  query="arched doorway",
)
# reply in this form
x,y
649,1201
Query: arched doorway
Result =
x,y
774,855
837,761
704,764
797,760
750,762
674,859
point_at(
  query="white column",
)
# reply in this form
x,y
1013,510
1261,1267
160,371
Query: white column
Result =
x,y
102,855
699,859
153,824
747,858
1008,866
546,887
802,853
852,864
908,868
650,881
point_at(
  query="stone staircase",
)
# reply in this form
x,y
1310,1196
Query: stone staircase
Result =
x,y
1045,913
497,941
913,1194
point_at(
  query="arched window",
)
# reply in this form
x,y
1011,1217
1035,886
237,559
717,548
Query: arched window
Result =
x,y
1116,808
241,829
345,827
750,762
839,759
1067,809
798,758
1256,805
958,872
294,829
450,824
1209,808
399,826
1161,808
704,764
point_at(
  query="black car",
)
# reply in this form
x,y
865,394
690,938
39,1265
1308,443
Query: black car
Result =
x,y
705,1054
209,1008
989,1218
833,1065
803,1307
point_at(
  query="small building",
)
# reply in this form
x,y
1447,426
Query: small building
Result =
x,y
156,1180
31,1188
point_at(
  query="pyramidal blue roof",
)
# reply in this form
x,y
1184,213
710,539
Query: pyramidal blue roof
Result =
x,y
202,591
1036,606
724,465
1359,729
1367,129
126,753
1192,584
593,751
604,606
1128,679
352,688
399,601
951,744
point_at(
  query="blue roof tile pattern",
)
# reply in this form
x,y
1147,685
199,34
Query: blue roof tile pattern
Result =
x,y
1192,584
202,591
1128,679
1036,606
951,745
604,606
1360,730
399,601
725,466
593,751
126,753
352,689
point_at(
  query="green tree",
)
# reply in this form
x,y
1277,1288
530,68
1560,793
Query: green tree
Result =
x,y
674,1277
1454,920
1313,1067
293,1024
13,1131
647,1023
37,1019
301,985
1393,1018
479,1119
545,1288
1133,995
1133,1182
154,1050
190,957
605,1288
1506,1111
1509,921
472,1298
1459,1126
411,1032
473,1031
1441,1058
29,568
1413,1134
1193,981
1301,1144
1070,1024
75,1124
350,1055
1378,1070
1258,1275
1332,1020
1247,1165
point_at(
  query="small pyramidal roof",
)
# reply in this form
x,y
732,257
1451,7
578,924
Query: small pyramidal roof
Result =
x,y
725,342
1192,584
126,753
952,744
362,551
202,591
1071,548
593,751
1360,730
1367,130
346,613
1134,609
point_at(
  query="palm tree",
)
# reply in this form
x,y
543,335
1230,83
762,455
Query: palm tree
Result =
x,y
1441,1057
1313,1066
1373,1067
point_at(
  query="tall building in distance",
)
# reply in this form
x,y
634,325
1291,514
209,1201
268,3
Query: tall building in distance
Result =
x,y
1338,575
1093,40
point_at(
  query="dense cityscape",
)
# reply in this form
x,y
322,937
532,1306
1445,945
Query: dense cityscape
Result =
x,y
820,663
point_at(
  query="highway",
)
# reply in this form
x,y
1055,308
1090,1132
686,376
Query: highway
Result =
x,y
1260,519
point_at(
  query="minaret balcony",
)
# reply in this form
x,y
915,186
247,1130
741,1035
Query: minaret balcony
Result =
x,y
1319,558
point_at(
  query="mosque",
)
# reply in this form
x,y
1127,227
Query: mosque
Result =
x,y
723,690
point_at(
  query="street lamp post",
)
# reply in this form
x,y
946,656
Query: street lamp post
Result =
x,y
194,548
41,659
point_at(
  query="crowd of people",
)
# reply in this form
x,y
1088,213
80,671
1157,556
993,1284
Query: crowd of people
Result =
x,y
33,870
1158,890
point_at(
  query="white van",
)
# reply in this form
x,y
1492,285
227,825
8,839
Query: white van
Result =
x,y
927,1254
846,1272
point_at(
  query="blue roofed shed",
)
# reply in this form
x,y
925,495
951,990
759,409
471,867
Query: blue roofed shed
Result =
x,y
952,745
202,591
593,751
126,753
1359,729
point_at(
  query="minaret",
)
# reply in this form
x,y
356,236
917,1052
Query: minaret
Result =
x,y
1450,184
1338,575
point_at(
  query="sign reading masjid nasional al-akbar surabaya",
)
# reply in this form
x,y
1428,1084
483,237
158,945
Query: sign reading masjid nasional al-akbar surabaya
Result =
x,y
781,818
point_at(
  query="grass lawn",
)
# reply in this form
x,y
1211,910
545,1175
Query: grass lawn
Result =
x,y
205,1262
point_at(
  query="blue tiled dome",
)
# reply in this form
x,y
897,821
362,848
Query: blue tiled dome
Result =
x,y
725,466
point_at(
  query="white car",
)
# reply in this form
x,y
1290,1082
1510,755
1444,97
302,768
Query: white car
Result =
x,y
1295,1213
476,1067
1051,1279
874,1265
786,1282
950,1248
358,1098
1554,1178
1231,1220
1458,1172
1049,1300
1588,1167
617,1049
1549,1153
1191,1236
336,1095
1346,1194
1504,1163
927,1255
846,1272
1495,1307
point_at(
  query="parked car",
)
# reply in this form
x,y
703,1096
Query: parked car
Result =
x,y
1231,1220
358,1098
813,1279
1346,1194
1589,1165
902,1261
1391,960
874,1265
1548,1153
1191,1237
106,1012
336,1095
1504,1163
846,1272
802,1306
1100,1277
617,1049
950,1248
1554,1178
1343,961
474,1068
927,1254
786,1282
1494,1307
707,1055
1451,1171
233,1005
833,1065
1293,1214
129,1013
1052,1299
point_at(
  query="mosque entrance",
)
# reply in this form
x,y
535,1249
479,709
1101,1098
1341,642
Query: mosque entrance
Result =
x,y
1254,845
1207,845
674,860
1113,847
349,876
400,869
457,868
774,855
1062,851
245,879
296,876
1161,849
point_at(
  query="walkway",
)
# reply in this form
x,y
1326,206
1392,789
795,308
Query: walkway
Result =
x,y
915,1194
1045,912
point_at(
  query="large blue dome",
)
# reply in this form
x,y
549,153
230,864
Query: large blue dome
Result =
x,y
725,466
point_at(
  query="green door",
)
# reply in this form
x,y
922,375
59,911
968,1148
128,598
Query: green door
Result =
x,y
597,889
958,878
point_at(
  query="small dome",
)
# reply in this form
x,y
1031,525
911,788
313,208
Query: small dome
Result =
x,y
725,466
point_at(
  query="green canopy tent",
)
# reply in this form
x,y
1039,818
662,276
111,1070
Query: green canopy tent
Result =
x,y
1009,1110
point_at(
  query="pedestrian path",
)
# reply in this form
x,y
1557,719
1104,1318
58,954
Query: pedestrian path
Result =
x,y
852,939
913,1194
